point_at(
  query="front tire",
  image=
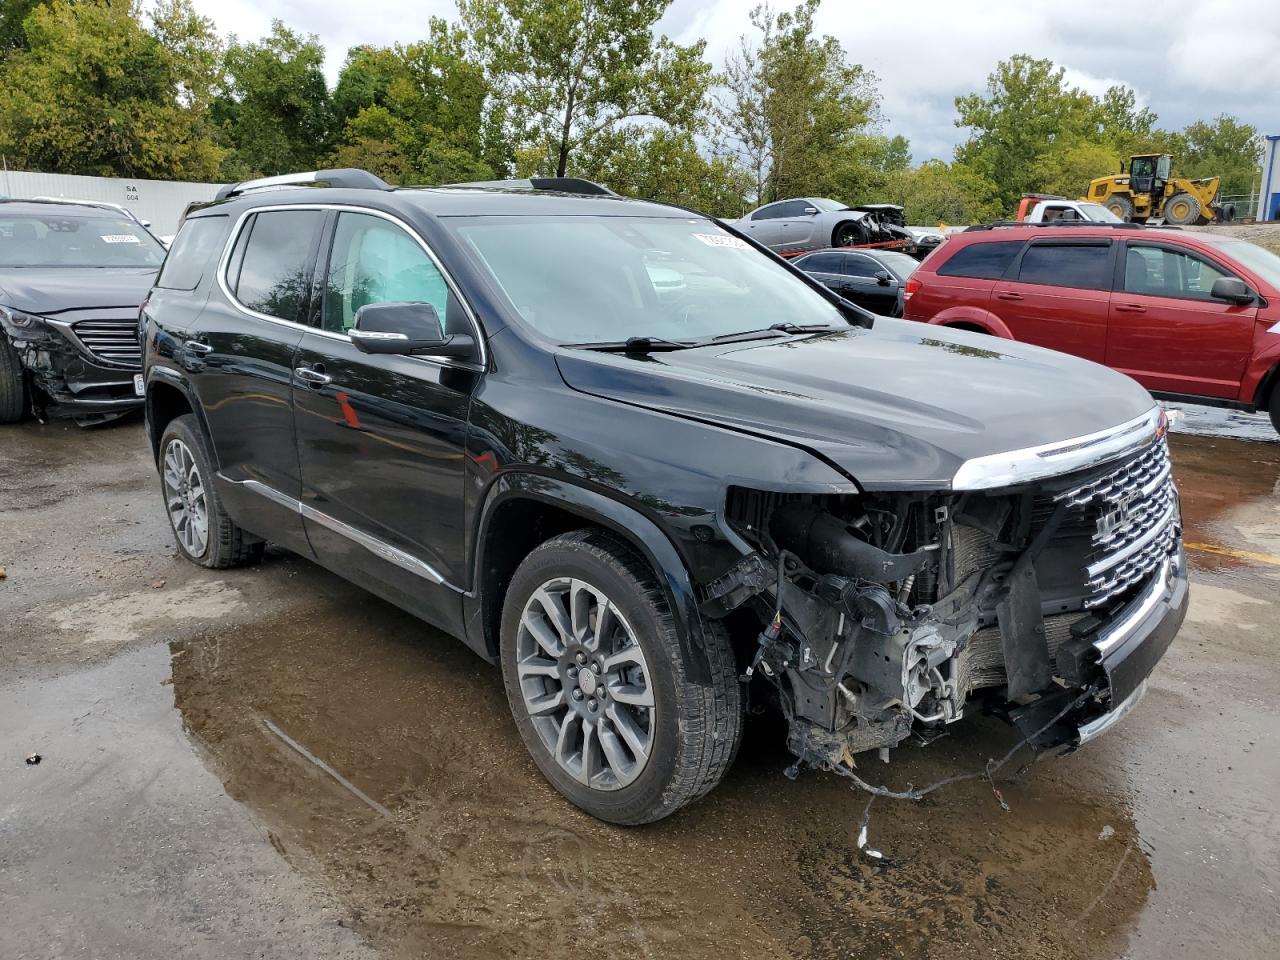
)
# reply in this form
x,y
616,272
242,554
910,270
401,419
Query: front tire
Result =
x,y
1182,209
599,687
849,233
204,533
1273,406
13,387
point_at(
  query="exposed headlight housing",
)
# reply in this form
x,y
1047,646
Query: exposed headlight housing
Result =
x,y
17,320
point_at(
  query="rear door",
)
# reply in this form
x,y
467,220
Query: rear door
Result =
x,y
1057,295
1167,332
240,362
381,438
827,269
763,226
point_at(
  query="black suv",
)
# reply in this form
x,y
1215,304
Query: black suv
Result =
x,y
71,279
637,459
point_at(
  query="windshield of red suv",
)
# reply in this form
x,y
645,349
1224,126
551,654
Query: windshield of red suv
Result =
x,y
607,279
1262,262
66,240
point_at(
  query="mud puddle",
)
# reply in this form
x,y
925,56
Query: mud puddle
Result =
x,y
382,758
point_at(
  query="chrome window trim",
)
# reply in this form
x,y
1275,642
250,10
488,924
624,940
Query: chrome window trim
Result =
x,y
1060,457
379,548
236,229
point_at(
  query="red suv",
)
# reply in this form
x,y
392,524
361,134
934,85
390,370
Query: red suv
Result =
x,y
1190,316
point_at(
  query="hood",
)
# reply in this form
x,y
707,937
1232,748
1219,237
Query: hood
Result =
x,y
901,406
51,291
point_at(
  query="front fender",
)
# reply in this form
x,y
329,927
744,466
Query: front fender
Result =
x,y
619,518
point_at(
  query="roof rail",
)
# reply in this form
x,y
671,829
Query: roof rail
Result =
x,y
578,185
1064,224
1043,196
348,177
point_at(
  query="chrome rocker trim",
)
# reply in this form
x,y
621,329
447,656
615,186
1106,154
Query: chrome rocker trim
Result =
x,y
378,548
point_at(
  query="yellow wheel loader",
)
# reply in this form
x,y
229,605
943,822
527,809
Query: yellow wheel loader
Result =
x,y
1148,191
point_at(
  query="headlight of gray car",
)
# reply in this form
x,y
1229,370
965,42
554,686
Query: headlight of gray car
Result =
x,y
21,325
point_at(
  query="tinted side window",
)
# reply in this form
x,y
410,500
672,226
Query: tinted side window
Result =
x,y
194,253
861,267
1080,265
1160,272
792,208
374,261
821,263
985,260
771,212
277,262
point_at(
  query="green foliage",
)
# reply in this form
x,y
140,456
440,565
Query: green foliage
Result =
x,y
1222,147
94,92
938,192
421,111
569,72
274,105
12,14
796,115
666,165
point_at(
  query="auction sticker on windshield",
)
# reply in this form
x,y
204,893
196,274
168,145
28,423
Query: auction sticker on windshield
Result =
x,y
120,238
720,240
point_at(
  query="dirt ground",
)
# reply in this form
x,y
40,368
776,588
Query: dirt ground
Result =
x,y
271,763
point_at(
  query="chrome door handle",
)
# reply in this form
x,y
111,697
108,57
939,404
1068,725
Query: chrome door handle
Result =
x,y
312,378
195,346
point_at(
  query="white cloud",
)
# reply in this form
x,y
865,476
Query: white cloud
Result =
x,y
1189,60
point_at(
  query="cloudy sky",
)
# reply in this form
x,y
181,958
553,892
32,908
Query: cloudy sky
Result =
x,y
1187,59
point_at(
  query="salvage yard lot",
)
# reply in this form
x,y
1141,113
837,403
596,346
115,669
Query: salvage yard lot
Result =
x,y
270,762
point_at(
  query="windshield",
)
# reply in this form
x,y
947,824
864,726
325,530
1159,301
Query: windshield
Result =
x,y
50,240
1261,261
1099,213
608,279
828,206
899,264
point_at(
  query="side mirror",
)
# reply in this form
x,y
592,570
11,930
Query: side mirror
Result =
x,y
810,211
884,278
407,328
1231,289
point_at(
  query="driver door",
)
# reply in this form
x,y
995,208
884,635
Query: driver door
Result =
x,y
795,227
381,438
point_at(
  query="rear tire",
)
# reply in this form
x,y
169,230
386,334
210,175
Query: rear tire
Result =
x,y
1273,406
1121,206
13,386
204,533
632,741
1182,209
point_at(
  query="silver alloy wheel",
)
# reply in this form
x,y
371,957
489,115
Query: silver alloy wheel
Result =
x,y
184,497
585,683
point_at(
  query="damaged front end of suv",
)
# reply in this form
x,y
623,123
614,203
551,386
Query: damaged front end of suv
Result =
x,y
1046,583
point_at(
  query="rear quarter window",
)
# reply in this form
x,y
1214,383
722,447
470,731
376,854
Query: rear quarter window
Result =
x,y
194,253
987,261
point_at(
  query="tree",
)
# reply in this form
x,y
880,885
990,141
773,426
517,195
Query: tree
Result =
x,y
793,112
666,165
1223,147
938,192
12,14
274,105
570,71
422,111
94,92
1028,109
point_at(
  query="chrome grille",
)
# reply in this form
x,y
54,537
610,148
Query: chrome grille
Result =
x,y
1134,509
115,341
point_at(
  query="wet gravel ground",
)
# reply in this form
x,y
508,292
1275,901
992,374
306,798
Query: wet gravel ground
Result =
x,y
271,763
